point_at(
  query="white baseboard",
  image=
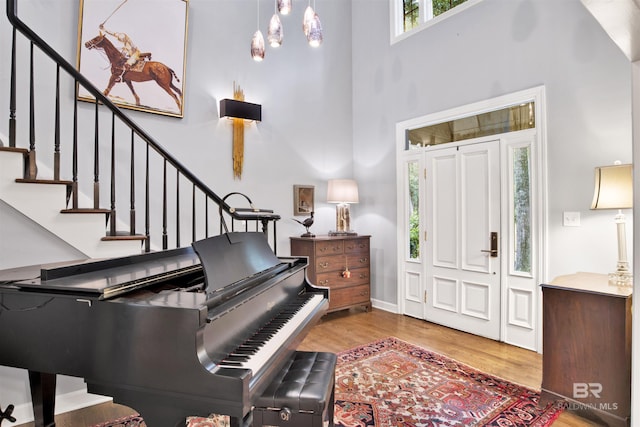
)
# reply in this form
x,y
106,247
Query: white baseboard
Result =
x,y
64,403
383,305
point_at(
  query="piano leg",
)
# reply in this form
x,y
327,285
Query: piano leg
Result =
x,y
43,398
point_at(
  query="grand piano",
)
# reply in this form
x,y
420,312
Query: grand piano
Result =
x,y
191,331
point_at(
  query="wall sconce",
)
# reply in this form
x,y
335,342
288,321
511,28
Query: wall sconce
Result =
x,y
614,190
238,110
343,192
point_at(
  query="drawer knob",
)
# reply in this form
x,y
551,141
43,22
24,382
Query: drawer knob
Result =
x,y
364,260
324,282
323,265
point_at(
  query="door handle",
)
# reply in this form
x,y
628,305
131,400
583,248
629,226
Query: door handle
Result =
x,y
494,245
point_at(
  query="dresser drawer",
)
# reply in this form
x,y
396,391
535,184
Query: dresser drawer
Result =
x,y
329,247
348,296
356,245
357,260
334,279
330,263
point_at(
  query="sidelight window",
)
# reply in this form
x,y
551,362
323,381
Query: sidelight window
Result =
x,y
413,209
521,209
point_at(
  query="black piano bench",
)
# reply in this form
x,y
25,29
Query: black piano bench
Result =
x,y
301,395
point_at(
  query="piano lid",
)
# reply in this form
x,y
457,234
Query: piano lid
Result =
x,y
110,277
231,257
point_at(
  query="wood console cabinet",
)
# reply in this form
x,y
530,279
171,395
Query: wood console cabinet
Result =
x,y
586,350
329,258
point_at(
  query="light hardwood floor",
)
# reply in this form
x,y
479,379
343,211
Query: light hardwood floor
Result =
x,y
341,331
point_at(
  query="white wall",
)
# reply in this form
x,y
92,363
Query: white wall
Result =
x,y
491,49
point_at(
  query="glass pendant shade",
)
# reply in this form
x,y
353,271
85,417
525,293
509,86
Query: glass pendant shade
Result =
x,y
275,33
257,46
306,20
314,37
284,7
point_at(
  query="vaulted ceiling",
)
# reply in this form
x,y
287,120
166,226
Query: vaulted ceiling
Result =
x,y
621,20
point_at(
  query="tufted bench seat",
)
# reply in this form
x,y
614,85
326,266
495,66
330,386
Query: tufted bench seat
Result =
x,y
301,395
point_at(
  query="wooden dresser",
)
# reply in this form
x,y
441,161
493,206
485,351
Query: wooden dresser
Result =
x,y
329,258
586,351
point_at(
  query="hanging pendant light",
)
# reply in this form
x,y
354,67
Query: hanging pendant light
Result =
x,y
275,32
314,37
257,41
314,33
257,46
306,19
284,7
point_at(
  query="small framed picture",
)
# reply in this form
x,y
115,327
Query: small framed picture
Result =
x,y
303,199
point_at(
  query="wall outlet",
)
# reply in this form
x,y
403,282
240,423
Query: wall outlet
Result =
x,y
571,219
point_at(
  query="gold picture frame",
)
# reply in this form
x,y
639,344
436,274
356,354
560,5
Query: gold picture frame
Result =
x,y
303,200
113,34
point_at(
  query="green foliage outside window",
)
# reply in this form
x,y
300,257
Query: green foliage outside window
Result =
x,y
522,210
414,217
414,235
411,10
441,6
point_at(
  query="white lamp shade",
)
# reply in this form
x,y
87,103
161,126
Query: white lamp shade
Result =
x,y
342,191
613,187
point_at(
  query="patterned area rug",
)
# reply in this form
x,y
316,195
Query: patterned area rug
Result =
x,y
391,383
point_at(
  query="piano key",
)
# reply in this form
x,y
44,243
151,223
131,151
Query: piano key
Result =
x,y
269,346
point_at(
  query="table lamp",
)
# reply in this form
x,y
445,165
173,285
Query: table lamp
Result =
x,y
343,192
614,190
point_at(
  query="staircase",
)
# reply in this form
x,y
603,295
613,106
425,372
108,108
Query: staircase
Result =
x,y
44,202
57,178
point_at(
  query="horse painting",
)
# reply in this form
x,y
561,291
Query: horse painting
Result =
x,y
152,70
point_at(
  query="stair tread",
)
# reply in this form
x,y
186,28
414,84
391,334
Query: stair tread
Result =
x,y
123,235
14,150
43,181
86,211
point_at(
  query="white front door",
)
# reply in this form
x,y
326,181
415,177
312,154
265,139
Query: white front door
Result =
x,y
462,251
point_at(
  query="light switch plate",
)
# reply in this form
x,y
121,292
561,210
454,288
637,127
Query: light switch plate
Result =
x,y
571,219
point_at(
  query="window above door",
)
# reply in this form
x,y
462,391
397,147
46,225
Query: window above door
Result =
x,y
493,122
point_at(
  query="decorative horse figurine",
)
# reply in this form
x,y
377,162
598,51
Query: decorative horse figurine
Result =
x,y
152,70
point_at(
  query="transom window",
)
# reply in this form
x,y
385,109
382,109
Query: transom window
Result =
x,y
409,15
495,122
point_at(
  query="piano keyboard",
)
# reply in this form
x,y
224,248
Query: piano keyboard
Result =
x,y
255,352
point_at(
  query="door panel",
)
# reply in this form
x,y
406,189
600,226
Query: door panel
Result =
x,y
445,236
463,210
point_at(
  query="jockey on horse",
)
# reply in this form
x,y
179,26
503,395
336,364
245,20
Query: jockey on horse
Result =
x,y
129,50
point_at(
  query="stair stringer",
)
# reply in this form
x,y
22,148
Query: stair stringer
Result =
x,y
42,204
